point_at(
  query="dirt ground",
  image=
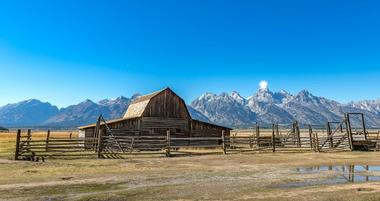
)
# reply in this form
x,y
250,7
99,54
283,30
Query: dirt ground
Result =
x,y
210,177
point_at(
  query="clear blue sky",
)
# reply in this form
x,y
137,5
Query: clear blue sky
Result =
x,y
66,51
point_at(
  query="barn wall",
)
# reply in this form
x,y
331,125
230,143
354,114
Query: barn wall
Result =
x,y
131,124
201,129
89,132
166,104
158,122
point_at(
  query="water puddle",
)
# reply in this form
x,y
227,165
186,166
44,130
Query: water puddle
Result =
x,y
339,174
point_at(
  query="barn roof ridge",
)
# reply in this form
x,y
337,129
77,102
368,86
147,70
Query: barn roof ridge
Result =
x,y
148,96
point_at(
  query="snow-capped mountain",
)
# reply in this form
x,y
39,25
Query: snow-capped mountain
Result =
x,y
270,107
233,110
367,105
36,113
225,109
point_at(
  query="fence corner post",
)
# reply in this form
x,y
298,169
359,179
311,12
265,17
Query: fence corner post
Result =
x,y
273,139
224,141
349,131
168,143
18,136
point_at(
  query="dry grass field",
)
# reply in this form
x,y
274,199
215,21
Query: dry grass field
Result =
x,y
209,177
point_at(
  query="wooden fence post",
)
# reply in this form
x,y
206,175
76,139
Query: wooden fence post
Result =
x,y
317,142
329,135
17,144
349,131
257,134
232,141
250,141
168,143
29,138
273,139
100,145
297,132
311,136
277,130
47,140
224,141
96,133
364,128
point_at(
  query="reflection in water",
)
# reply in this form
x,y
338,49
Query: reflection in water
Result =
x,y
341,174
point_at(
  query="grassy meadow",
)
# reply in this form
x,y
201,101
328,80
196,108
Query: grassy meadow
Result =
x,y
208,177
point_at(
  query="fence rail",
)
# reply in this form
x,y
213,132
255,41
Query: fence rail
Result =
x,y
115,143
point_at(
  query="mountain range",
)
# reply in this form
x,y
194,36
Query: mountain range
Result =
x,y
264,107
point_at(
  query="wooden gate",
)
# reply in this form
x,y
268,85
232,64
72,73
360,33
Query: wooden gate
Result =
x,y
276,138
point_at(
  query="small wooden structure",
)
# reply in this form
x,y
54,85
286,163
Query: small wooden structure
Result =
x,y
156,114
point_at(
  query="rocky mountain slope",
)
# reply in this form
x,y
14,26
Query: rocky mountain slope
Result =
x,y
264,106
268,107
28,113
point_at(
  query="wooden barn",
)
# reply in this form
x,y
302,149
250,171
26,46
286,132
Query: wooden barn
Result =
x,y
155,114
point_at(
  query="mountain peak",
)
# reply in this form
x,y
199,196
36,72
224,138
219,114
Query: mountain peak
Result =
x,y
113,101
237,97
87,102
207,96
305,93
282,91
264,95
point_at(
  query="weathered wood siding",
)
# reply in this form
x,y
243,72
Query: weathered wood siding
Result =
x,y
89,132
166,104
202,129
158,122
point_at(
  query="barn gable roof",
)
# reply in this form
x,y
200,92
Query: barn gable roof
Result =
x,y
138,106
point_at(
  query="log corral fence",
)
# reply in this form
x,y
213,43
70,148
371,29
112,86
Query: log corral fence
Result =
x,y
28,148
279,138
119,143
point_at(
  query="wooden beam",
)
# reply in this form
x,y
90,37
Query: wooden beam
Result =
x,y
349,131
317,142
100,143
329,135
47,140
168,143
17,144
364,129
273,139
224,142
311,136
297,132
